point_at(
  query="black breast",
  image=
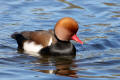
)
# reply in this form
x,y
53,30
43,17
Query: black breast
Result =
x,y
60,48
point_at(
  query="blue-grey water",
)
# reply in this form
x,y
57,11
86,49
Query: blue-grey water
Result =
x,y
99,28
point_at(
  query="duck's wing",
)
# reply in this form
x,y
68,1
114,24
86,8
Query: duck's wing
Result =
x,y
25,34
45,38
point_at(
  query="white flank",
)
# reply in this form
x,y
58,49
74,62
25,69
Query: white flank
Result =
x,y
31,48
50,41
51,71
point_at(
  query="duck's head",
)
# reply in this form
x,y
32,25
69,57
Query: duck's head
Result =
x,y
66,29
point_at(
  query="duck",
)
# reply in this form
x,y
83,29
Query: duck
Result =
x,y
50,42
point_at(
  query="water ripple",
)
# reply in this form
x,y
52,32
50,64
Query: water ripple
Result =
x,y
99,28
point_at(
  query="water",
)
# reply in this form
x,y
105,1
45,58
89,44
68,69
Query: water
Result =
x,y
97,59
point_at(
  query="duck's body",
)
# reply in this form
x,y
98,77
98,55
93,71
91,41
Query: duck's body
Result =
x,y
53,42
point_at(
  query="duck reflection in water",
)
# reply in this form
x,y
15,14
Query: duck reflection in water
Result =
x,y
62,66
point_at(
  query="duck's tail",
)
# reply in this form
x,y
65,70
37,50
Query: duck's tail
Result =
x,y
19,38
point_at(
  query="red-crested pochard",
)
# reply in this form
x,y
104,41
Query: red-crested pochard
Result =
x,y
53,42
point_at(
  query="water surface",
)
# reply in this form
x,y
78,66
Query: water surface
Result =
x,y
99,28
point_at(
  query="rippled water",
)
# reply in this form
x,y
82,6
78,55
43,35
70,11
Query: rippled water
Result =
x,y
97,59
